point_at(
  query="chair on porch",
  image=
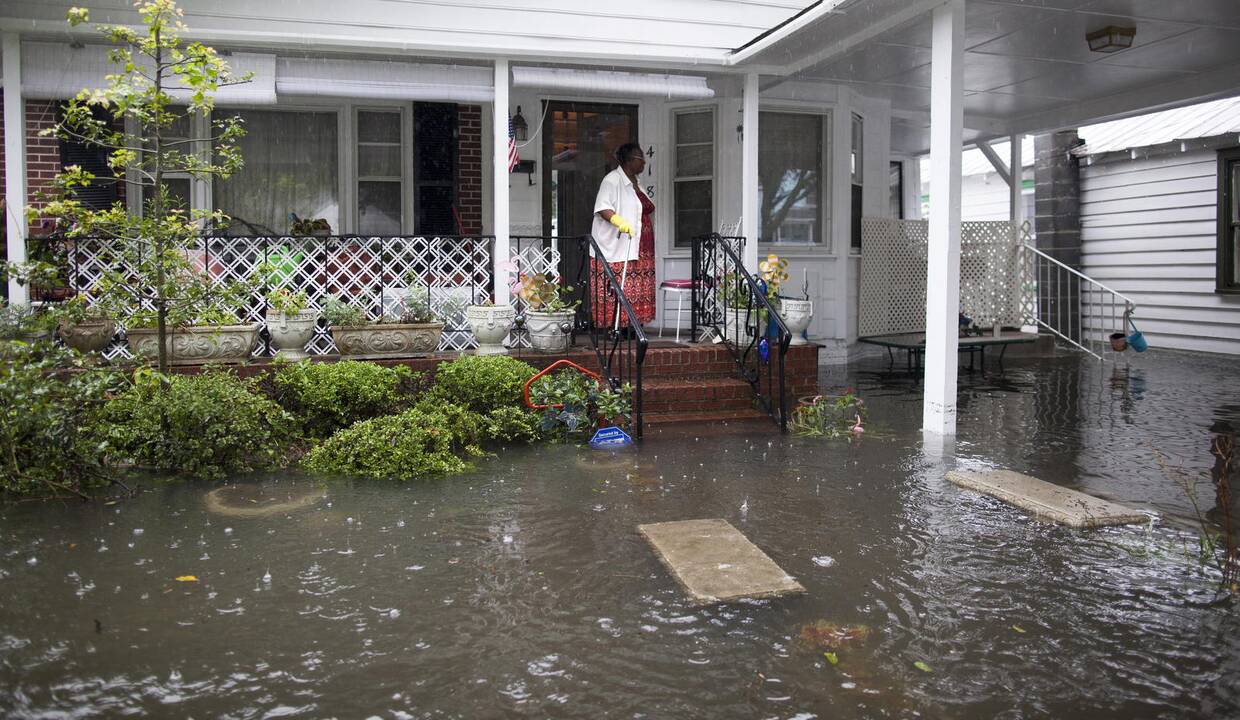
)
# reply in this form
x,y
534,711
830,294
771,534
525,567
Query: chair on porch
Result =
x,y
682,287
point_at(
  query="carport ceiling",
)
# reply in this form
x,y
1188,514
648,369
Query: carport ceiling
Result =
x,y
1027,66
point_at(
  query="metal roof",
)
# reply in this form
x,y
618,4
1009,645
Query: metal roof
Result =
x,y
1208,119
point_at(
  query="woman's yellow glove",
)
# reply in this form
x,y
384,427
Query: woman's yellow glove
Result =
x,y
621,224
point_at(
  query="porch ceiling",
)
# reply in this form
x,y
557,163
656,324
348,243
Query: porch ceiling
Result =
x,y
637,32
1027,66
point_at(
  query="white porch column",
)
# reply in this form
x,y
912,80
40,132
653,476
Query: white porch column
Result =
x,y
499,184
943,256
1016,194
750,227
14,159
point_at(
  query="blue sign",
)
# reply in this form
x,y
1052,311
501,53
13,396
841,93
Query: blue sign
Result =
x,y
610,437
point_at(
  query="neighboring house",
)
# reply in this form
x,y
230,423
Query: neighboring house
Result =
x,y
1151,223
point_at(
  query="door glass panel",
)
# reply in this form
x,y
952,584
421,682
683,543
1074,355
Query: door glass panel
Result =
x,y
378,208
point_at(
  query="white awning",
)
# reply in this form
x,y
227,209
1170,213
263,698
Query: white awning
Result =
x,y
609,82
57,71
383,80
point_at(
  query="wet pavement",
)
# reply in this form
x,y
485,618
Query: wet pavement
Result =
x,y
523,589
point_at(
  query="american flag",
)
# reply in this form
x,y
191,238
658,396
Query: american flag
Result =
x,y
514,157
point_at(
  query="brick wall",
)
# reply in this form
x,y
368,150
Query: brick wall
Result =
x,y
469,168
42,154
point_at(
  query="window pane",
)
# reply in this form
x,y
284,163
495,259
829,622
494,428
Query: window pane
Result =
x,y
695,127
789,176
178,193
693,210
378,161
290,167
378,127
695,160
378,208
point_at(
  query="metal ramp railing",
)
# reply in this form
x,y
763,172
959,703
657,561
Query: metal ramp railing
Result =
x,y
1073,306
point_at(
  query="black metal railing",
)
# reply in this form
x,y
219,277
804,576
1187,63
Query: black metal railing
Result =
x,y
730,301
616,335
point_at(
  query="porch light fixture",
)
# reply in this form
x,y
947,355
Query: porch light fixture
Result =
x,y
1111,38
520,128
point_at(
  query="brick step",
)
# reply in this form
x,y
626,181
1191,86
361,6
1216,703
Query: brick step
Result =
x,y
673,395
711,422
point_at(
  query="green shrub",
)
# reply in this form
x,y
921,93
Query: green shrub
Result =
x,y
50,401
415,443
512,424
327,397
483,382
203,425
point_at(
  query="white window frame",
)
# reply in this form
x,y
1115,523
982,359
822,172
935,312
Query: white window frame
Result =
x,y
714,168
406,161
826,182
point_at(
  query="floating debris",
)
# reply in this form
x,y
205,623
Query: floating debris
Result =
x,y
256,501
824,634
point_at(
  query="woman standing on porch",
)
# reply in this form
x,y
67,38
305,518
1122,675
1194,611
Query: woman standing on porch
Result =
x,y
624,231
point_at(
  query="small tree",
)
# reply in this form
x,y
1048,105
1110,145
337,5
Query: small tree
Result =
x,y
153,280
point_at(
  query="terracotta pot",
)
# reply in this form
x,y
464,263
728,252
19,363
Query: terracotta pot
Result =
x,y
196,345
387,340
1119,342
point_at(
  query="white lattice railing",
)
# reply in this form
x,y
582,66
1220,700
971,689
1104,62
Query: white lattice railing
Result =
x,y
457,270
996,284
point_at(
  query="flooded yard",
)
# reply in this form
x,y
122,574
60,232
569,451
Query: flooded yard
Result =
x,y
523,589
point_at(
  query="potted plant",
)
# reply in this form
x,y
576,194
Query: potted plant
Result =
x,y
290,323
549,318
85,328
25,323
410,329
200,323
490,324
796,312
741,314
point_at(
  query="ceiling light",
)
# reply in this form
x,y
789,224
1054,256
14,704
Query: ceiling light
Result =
x,y
1111,38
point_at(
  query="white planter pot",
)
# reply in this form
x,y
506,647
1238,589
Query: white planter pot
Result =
x,y
89,336
549,331
196,345
734,325
387,340
490,325
797,315
290,333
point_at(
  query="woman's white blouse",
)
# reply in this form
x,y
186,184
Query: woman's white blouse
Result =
x,y
616,193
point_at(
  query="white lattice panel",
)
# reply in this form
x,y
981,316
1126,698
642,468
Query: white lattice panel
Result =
x,y
359,270
994,281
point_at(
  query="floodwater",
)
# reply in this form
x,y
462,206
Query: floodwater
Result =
x,y
524,590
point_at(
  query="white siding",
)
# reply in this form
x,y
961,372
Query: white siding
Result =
x,y
1148,231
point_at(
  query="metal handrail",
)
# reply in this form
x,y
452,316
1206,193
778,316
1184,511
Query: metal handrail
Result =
x,y
1060,307
607,342
756,303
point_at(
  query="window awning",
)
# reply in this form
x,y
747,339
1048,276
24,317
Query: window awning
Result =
x,y
57,71
384,80
610,82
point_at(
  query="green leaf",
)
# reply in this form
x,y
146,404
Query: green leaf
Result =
x,y
1019,629
922,666
831,658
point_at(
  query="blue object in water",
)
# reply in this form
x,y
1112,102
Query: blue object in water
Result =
x,y
1136,340
610,437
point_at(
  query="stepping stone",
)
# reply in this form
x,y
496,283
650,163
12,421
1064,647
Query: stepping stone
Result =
x,y
714,562
1046,501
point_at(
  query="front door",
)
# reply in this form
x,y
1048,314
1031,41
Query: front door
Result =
x,y
578,151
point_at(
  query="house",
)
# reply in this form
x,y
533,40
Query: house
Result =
x,y
794,117
1152,215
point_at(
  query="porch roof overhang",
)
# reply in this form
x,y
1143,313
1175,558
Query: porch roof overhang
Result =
x,y
1027,65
